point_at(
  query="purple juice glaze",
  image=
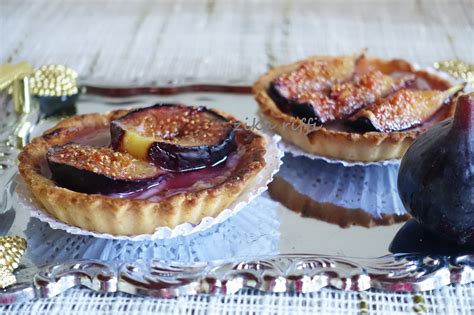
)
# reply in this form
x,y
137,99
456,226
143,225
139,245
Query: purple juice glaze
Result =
x,y
164,185
179,182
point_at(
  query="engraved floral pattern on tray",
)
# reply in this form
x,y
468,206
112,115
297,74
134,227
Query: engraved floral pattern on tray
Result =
x,y
281,273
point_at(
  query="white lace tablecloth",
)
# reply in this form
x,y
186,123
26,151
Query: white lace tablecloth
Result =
x,y
139,42
449,300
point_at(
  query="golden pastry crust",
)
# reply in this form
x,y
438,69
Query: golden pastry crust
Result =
x,y
116,216
283,192
343,145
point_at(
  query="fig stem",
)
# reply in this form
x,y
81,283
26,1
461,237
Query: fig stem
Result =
x,y
464,115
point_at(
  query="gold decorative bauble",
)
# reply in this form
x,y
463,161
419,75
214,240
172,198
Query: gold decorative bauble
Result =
x,y
12,249
6,278
54,80
457,69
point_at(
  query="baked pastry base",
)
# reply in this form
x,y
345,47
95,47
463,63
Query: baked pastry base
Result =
x,y
283,192
342,145
115,216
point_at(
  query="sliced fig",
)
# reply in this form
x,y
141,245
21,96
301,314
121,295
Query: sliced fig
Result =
x,y
365,90
175,137
89,169
313,107
301,92
402,110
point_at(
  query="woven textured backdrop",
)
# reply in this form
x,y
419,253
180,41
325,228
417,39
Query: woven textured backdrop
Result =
x,y
140,42
225,41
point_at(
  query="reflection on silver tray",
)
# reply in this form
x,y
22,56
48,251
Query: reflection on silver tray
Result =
x,y
258,248
259,229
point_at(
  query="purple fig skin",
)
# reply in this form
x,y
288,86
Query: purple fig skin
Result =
x,y
301,110
89,182
436,177
116,135
413,238
178,158
175,157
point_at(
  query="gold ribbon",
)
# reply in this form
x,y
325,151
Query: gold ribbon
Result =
x,y
10,72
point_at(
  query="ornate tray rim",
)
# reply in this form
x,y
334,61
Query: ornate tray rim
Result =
x,y
303,273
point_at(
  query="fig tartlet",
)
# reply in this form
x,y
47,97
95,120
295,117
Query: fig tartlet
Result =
x,y
353,108
129,172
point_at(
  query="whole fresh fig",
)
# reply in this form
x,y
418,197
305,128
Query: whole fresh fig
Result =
x,y
436,178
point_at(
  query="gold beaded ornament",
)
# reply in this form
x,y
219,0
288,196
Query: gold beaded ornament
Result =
x,y
457,69
54,80
12,249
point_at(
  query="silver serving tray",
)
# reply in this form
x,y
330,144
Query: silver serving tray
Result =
x,y
254,249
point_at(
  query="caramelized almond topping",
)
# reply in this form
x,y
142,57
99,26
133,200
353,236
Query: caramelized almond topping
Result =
x,y
181,125
315,75
342,100
404,109
101,160
363,91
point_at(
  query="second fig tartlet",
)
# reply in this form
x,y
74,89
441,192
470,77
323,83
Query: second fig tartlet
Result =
x,y
353,108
